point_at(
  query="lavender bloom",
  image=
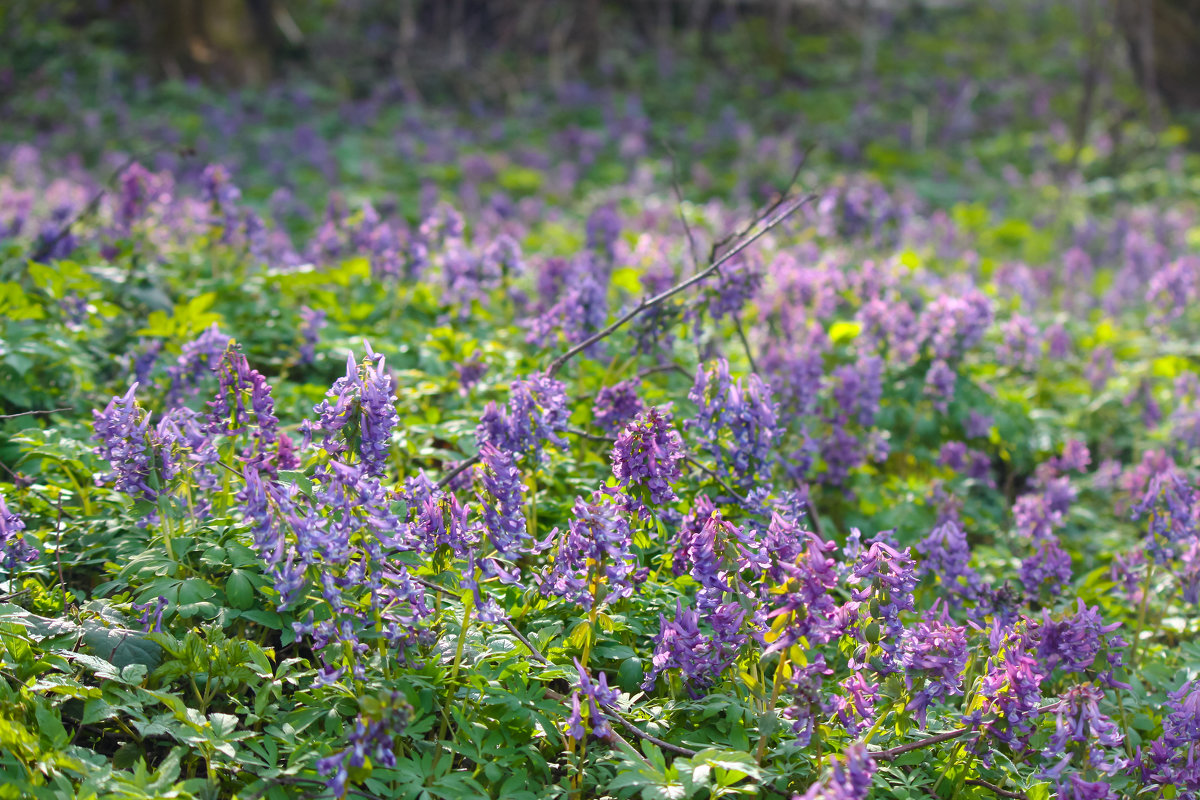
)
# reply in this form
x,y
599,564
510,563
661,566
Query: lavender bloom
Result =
x,y
934,655
700,659
1011,689
310,333
123,431
1172,759
198,359
536,413
1049,565
737,282
858,389
14,549
502,499
363,396
373,736
597,694
1034,517
850,780
807,602
1076,788
950,326
1020,344
978,425
1171,507
616,405
855,703
228,414
805,687
1079,721
886,575
736,424
1074,642
598,546
145,358
581,311
947,558
1075,456
603,228
151,614
469,374
940,383
647,454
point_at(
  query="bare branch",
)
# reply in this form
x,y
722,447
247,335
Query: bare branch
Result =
x,y
662,297
994,789
34,413
462,467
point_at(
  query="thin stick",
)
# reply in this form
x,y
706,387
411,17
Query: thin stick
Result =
x,y
462,467
47,247
891,753
34,413
994,789
648,303
712,474
62,584
672,367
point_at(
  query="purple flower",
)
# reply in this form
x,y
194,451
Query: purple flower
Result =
x,y
737,282
536,413
616,405
1034,517
1079,721
1049,565
805,687
373,736
198,360
1074,641
597,694
123,430
1020,345
978,425
502,499
947,557
850,779
855,703
647,454
700,658
595,555
603,228
362,402
469,374
1170,506
886,577
313,321
1011,689
14,549
735,423
940,384
151,614
934,655
1173,759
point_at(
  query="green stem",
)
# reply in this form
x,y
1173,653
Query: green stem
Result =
x,y
1141,625
763,736
468,607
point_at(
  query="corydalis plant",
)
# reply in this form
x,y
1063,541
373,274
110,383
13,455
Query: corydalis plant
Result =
x,y
359,414
735,423
646,456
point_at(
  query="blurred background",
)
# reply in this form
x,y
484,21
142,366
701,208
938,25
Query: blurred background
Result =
x,y
948,97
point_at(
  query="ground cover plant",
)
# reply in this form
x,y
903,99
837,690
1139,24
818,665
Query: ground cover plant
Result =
x,y
602,466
